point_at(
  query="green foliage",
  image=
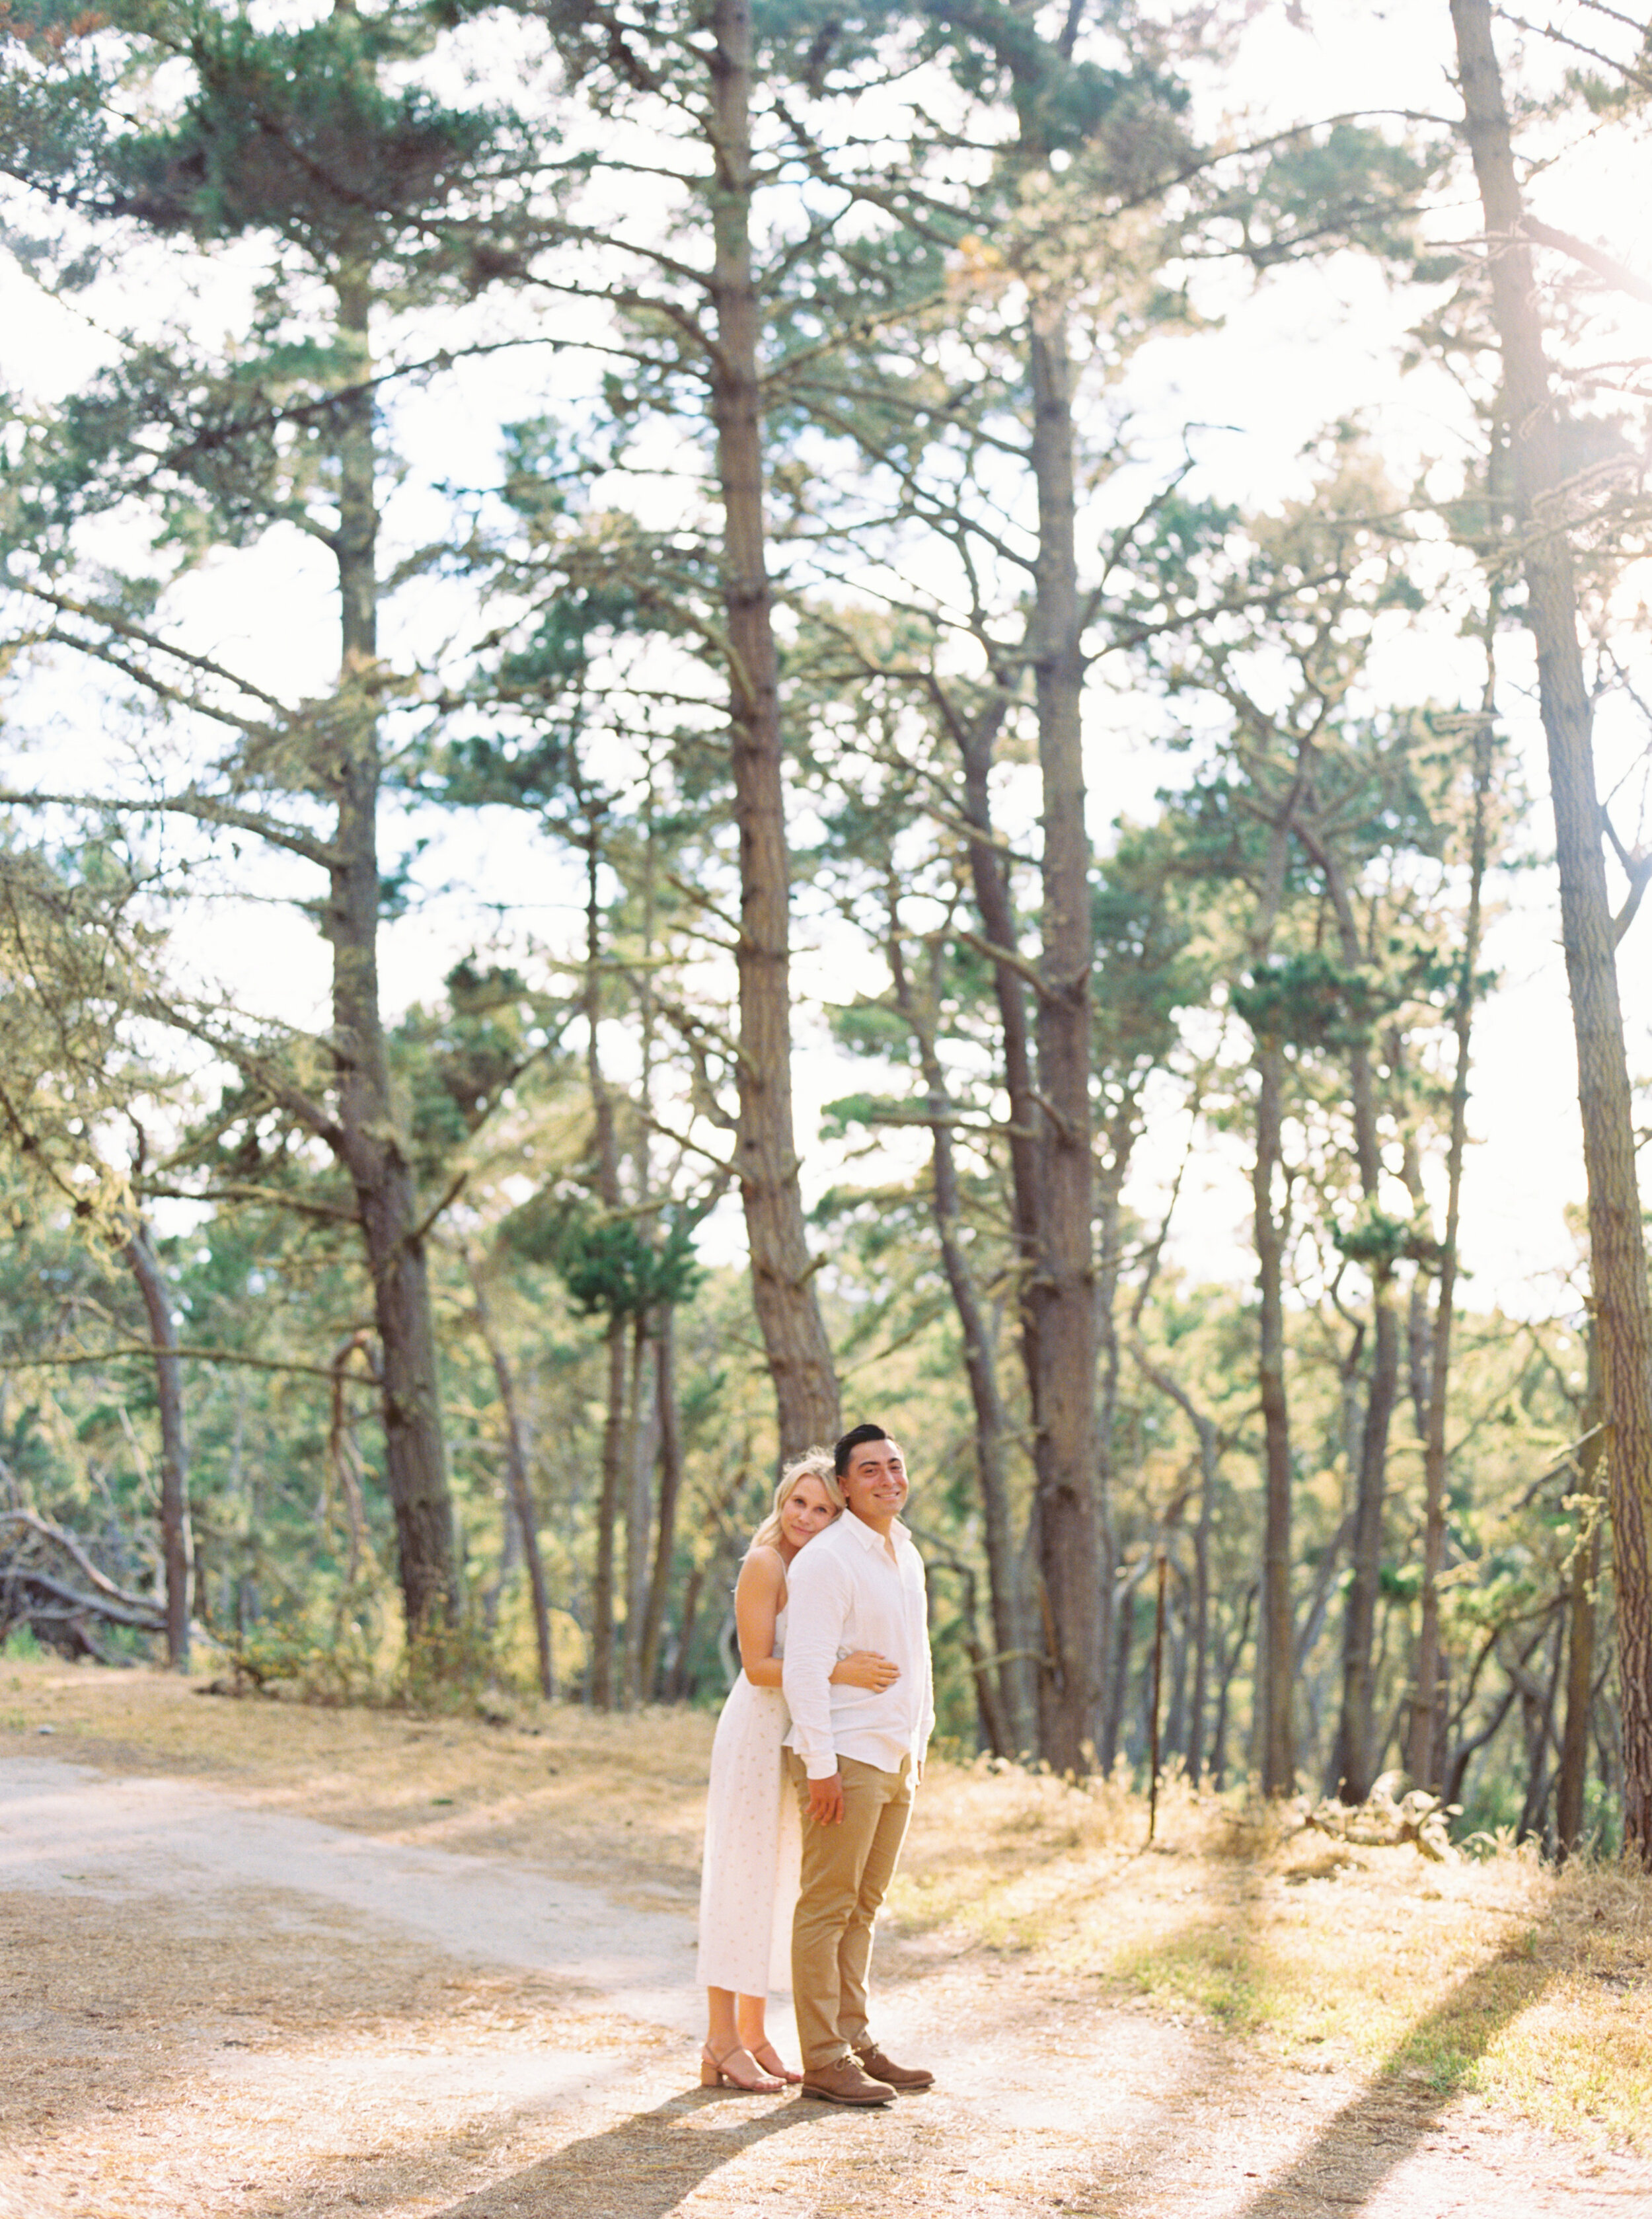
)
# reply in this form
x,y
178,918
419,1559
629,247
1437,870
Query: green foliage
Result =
x,y
296,131
1310,1000
1344,177
1377,1238
1058,103
53,118
873,1028
459,1061
608,1267
73,964
1151,963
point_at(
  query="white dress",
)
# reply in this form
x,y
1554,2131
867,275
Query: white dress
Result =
x,y
753,1845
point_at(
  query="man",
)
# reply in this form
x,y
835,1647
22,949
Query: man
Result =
x,y
855,1757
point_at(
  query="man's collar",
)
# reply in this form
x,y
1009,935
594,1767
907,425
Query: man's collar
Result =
x,y
869,1537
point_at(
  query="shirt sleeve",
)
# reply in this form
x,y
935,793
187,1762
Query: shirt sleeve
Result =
x,y
928,1677
817,1607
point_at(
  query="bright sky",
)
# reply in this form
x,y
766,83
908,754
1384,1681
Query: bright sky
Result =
x,y
1298,351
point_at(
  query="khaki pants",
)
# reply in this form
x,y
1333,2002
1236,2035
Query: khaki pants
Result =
x,y
847,1870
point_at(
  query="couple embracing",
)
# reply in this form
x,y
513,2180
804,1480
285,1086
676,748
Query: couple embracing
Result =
x,y
817,1752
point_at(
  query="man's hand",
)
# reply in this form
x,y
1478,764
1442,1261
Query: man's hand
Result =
x,y
826,1800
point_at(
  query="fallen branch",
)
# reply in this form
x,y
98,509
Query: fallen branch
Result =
x,y
1386,1819
81,1606
72,1549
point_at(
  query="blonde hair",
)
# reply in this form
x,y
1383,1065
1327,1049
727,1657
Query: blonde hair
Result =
x,y
813,1464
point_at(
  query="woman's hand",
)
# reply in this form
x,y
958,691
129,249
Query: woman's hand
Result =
x,y
865,1668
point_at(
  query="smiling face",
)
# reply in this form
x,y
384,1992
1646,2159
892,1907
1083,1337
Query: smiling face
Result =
x,y
875,1484
807,1510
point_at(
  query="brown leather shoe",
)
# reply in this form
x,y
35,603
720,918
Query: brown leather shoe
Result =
x,y
906,2079
844,2082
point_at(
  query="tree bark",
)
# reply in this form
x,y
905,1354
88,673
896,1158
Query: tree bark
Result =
x,y
671,1473
1010,1707
991,1724
605,1677
681,1676
370,1142
517,1475
1621,1311
1121,1130
782,1273
1218,1738
606,1670
1276,1727
140,1253
1538,1700
990,883
1355,1764
1209,1435
1585,1587
1063,1287
638,1512
1426,1755
1273,1726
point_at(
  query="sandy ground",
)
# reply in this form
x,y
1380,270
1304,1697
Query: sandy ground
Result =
x,y
212,2007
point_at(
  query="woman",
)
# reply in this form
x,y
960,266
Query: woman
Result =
x,y
749,1883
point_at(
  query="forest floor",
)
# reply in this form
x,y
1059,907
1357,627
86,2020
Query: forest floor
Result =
x,y
272,1960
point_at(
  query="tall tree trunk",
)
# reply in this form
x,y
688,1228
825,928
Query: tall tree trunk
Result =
x,y
1122,1130
606,1669
1011,1706
1203,1529
1420,1341
671,1473
1120,1641
1425,1754
1355,1762
347,1471
991,1430
994,902
1209,1435
1275,1721
140,1253
1063,1289
1580,1653
990,883
1621,1311
517,1475
606,1677
369,1141
1274,1727
639,1512
1538,1700
782,1274
991,1725
1219,1739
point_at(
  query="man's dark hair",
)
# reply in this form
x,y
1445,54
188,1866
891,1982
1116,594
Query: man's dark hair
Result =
x,y
852,1441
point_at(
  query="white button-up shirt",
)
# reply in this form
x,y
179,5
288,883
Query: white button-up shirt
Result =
x,y
846,1591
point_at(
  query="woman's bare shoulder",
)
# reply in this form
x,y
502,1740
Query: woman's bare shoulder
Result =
x,y
763,1570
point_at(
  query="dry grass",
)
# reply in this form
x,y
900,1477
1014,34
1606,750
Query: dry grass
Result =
x,y
1502,1980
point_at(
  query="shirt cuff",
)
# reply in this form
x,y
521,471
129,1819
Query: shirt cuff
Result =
x,y
821,1768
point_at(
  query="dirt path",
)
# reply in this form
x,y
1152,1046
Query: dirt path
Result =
x,y
212,2008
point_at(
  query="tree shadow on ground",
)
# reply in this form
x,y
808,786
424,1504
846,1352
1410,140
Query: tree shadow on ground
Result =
x,y
1220,1962
640,2168
1373,2134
